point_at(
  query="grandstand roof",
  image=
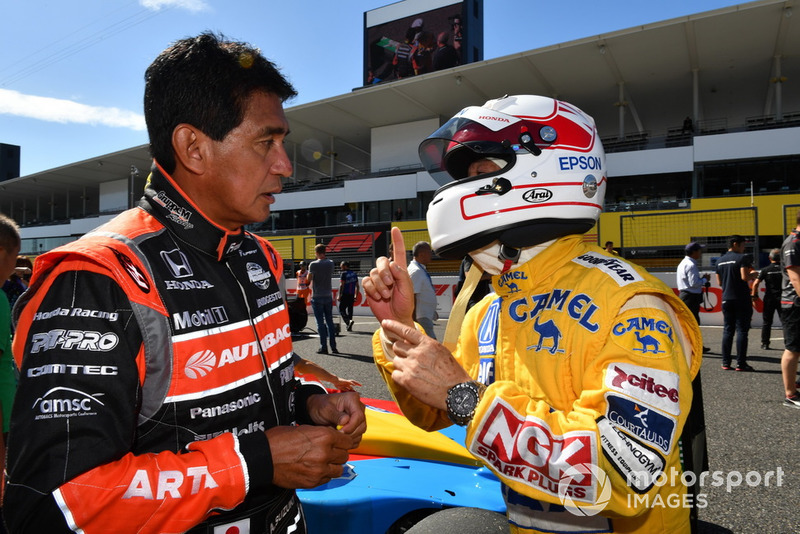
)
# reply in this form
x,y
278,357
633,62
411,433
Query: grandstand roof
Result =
x,y
722,66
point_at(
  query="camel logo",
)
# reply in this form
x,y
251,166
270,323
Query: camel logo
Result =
x,y
513,288
650,335
547,331
647,341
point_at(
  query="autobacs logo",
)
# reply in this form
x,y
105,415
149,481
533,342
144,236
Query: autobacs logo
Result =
x,y
203,362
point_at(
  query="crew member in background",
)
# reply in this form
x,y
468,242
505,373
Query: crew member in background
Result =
x,y
772,277
790,314
303,289
690,282
734,273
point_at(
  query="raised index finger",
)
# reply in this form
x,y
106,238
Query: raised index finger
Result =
x,y
398,248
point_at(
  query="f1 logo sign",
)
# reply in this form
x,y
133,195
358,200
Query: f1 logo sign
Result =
x,y
348,242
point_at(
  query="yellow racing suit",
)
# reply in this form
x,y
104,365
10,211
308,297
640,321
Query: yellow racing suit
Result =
x,y
589,363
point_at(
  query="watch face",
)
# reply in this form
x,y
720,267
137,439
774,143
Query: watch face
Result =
x,y
464,401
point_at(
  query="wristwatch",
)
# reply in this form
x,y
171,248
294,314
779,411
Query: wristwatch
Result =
x,y
462,399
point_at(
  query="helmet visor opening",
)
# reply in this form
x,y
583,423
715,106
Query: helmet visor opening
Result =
x,y
449,151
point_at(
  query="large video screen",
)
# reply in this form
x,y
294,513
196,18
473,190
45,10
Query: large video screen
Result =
x,y
417,42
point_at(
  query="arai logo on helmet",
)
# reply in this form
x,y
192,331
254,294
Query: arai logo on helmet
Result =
x,y
537,195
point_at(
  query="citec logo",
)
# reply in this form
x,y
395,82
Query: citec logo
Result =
x,y
258,276
537,195
61,402
652,386
132,270
177,262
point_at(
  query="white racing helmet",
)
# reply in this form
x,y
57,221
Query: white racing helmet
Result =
x,y
551,183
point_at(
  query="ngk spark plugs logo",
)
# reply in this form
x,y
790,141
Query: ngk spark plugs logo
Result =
x,y
66,402
527,450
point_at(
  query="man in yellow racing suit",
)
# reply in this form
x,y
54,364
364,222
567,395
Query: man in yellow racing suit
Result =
x,y
573,379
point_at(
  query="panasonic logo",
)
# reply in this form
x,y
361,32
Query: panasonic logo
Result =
x,y
537,196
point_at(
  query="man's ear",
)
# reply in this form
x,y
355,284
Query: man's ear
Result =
x,y
189,145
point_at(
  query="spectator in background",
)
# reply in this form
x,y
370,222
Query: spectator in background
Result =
x,y
772,277
609,246
348,291
734,272
320,272
424,293
690,282
17,283
790,314
445,55
9,248
403,67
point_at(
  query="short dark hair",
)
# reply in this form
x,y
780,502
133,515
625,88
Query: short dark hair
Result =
x,y
9,234
204,81
735,239
320,248
419,247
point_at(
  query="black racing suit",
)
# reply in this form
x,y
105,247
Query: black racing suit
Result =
x,y
154,353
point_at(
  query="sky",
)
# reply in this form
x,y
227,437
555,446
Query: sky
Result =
x,y
72,72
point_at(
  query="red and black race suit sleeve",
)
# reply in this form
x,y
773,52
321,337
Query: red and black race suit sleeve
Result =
x,y
71,465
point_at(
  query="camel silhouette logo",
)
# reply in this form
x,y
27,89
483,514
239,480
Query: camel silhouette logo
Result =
x,y
647,341
547,330
513,288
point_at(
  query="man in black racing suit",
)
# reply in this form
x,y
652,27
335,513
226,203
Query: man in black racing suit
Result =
x,y
157,390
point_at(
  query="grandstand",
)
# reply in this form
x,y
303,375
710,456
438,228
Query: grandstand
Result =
x,y
733,72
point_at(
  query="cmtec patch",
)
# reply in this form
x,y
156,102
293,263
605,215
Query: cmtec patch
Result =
x,y
647,424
